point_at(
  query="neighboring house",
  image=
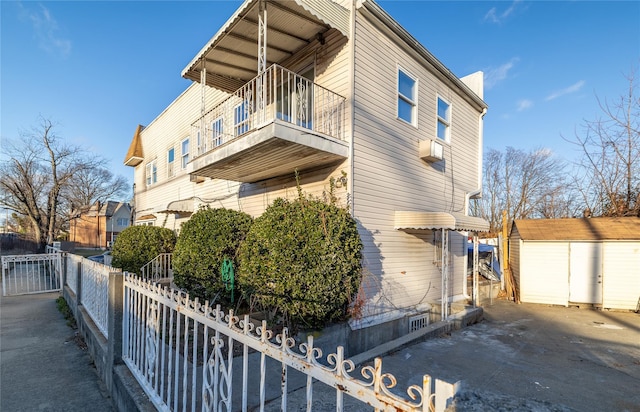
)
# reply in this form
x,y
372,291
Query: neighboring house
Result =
x,y
344,94
594,261
98,225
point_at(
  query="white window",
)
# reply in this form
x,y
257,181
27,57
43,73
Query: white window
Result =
x,y
444,120
217,128
185,153
122,222
407,97
241,118
171,157
152,173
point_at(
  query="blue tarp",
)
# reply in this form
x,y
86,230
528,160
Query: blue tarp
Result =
x,y
483,248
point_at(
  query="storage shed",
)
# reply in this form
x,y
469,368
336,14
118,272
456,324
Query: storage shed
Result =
x,y
577,261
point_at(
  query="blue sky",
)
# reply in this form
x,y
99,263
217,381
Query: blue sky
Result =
x,y
100,68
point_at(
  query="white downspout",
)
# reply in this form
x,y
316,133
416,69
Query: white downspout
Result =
x,y
352,104
467,199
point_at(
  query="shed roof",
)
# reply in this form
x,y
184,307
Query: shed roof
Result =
x,y
596,228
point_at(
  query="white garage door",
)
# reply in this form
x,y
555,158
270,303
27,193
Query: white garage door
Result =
x,y
544,270
585,272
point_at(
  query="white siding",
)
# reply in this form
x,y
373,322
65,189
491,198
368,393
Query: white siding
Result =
x,y
544,272
390,176
621,277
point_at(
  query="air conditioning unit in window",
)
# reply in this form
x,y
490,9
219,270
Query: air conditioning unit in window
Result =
x,y
431,150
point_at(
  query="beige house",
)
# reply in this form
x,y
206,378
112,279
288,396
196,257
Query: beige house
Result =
x,y
98,225
331,89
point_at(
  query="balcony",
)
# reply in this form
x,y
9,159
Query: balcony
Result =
x,y
275,124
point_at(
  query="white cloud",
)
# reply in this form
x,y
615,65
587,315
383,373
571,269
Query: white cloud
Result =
x,y
46,30
495,75
568,90
524,104
494,16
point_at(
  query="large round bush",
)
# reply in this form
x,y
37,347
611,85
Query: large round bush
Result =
x,y
205,241
137,245
303,259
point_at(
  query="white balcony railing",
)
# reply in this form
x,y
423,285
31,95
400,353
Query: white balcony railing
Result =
x,y
276,94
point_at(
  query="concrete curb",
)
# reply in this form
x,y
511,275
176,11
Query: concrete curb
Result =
x,y
457,321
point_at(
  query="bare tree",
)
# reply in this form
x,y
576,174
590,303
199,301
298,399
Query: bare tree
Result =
x,y
91,185
525,184
39,168
609,172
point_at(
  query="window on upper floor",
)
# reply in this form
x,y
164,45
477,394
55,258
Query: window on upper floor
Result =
x,y
185,153
217,128
122,222
171,157
407,97
444,120
152,173
241,118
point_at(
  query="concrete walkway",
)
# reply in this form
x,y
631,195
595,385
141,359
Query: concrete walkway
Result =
x,y
42,366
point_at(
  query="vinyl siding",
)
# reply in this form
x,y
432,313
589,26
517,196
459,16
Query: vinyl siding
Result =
x,y
621,275
544,272
390,176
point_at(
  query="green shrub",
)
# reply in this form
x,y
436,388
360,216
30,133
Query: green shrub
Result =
x,y
205,241
137,245
302,259
64,308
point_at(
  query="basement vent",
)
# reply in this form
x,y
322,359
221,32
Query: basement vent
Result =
x,y
418,322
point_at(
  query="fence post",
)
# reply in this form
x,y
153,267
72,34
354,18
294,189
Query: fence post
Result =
x,y
79,288
114,324
63,269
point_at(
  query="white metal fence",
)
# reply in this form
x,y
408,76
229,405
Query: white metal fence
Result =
x,y
27,274
189,356
95,292
276,94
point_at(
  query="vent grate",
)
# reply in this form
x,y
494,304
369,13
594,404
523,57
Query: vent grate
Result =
x,y
418,322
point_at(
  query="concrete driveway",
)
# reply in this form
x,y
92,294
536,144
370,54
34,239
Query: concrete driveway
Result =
x,y
531,357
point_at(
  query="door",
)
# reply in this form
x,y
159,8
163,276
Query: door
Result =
x,y
585,273
295,99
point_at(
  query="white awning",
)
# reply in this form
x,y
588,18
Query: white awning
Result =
x,y
178,207
439,220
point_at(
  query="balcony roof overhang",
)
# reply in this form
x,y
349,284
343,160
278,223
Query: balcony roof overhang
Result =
x,y
231,56
277,149
422,220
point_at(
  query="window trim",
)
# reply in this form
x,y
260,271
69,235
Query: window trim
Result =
x,y
446,122
184,157
217,131
171,170
151,173
412,101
